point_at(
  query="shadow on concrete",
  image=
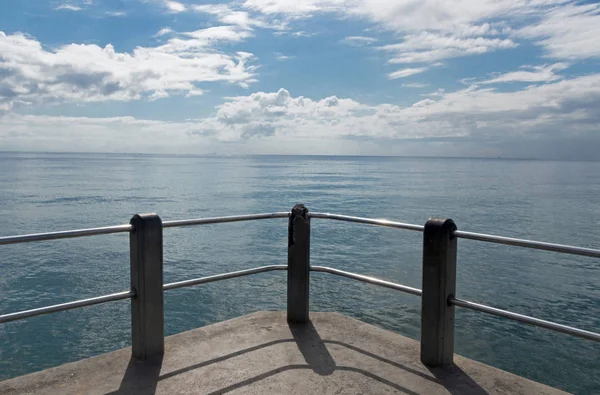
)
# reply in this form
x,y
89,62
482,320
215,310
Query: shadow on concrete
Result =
x,y
456,381
141,377
294,367
453,378
304,335
313,348
317,358
381,359
221,359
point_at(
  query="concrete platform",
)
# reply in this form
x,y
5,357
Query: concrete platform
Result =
x,y
261,354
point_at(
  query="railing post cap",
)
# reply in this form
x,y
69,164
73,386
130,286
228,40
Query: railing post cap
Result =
x,y
299,210
441,223
146,216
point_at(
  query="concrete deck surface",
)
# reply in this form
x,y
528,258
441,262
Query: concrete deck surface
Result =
x,y
261,354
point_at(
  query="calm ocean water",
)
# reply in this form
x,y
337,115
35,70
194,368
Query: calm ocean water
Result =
x,y
550,201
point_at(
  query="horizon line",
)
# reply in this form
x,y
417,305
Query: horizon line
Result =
x,y
219,155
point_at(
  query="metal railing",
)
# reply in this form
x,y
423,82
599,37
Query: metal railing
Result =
x,y
437,293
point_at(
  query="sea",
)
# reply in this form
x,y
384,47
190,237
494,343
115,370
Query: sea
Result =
x,y
554,201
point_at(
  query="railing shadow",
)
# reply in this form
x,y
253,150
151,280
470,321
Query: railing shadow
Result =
x,y
456,381
313,348
317,357
143,377
453,378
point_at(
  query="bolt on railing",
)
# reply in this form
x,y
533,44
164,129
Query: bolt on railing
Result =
x,y
437,293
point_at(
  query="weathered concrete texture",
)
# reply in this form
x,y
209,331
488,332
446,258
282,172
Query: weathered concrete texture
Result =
x,y
261,354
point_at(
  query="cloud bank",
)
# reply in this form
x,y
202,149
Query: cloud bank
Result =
x,y
31,74
555,115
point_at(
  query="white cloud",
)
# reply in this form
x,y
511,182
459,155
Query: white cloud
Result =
x,y
302,33
73,5
264,122
293,8
116,13
565,109
429,47
570,32
299,33
415,85
189,43
68,7
545,73
406,72
30,73
358,40
556,99
164,31
465,17
175,7
279,110
226,14
281,57
438,92
431,30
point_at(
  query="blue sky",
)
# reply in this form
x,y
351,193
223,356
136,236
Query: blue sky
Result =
x,y
456,78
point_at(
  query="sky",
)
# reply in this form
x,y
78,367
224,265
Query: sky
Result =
x,y
482,78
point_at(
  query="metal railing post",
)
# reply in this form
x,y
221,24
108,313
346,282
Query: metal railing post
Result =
x,y
298,265
147,307
439,283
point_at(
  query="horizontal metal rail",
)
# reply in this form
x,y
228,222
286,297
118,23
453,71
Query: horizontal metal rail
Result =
x,y
367,279
65,306
67,234
538,245
567,249
368,221
220,220
224,276
526,319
